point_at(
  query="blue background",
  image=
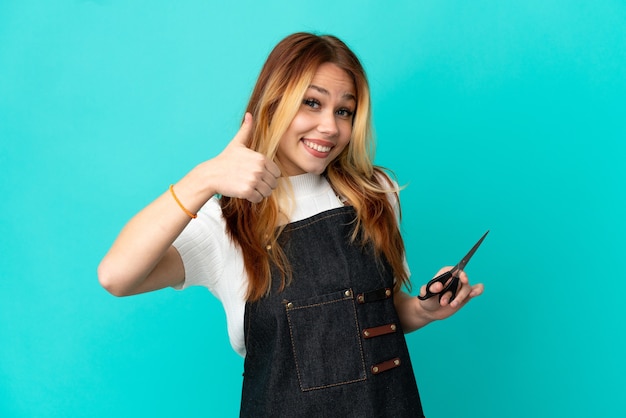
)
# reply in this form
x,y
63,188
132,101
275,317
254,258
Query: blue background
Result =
x,y
500,115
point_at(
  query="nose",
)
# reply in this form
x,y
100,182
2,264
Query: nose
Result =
x,y
327,125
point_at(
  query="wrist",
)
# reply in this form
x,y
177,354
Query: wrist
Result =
x,y
422,311
181,205
412,313
193,190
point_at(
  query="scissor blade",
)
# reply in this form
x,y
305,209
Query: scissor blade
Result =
x,y
469,255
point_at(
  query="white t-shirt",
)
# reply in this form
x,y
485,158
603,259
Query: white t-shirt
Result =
x,y
212,260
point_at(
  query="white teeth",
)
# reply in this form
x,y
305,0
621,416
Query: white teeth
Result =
x,y
316,147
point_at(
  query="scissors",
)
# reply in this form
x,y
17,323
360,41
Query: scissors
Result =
x,y
450,279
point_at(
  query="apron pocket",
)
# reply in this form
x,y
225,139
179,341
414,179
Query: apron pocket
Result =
x,y
325,339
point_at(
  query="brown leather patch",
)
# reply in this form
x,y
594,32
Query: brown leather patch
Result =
x,y
375,295
386,365
378,331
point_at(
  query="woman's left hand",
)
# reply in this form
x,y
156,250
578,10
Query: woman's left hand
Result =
x,y
441,309
415,313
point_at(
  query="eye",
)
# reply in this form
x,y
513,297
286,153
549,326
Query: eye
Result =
x,y
345,113
312,103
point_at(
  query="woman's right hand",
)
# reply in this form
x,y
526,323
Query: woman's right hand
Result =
x,y
241,172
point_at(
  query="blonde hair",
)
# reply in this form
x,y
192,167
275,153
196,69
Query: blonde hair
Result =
x,y
275,100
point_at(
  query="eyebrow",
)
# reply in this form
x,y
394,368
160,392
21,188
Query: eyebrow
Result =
x,y
322,90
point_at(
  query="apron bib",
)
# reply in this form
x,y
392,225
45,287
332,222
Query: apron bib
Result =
x,y
330,344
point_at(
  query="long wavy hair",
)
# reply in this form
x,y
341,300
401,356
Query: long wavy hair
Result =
x,y
275,100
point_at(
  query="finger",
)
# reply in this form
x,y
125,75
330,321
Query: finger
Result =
x,y
463,277
468,293
270,180
477,290
423,290
272,168
263,189
436,287
255,196
448,298
461,297
243,135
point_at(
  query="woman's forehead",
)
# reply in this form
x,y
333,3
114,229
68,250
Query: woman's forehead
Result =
x,y
330,79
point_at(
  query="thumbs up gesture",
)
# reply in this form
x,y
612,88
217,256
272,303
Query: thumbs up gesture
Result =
x,y
241,172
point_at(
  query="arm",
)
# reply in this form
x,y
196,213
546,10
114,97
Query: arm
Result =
x,y
142,257
415,313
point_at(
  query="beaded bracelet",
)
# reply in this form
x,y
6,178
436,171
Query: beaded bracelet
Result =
x,y
191,215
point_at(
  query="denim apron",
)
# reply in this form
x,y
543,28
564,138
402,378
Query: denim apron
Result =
x,y
330,344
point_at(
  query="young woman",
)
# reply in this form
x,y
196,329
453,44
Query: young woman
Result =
x,y
296,232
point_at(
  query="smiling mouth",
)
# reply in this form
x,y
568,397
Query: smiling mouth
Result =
x,y
316,147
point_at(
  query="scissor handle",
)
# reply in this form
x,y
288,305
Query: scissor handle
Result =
x,y
451,286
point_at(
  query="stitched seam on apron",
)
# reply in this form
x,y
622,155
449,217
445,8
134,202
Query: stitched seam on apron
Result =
x,y
295,355
331,215
316,304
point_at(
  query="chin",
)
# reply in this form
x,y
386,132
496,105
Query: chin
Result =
x,y
317,170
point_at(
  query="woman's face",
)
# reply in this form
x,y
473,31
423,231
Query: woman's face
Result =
x,y
323,125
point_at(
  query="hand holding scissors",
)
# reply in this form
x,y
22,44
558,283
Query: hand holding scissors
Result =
x,y
450,279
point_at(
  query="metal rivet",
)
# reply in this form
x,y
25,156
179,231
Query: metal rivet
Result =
x,y
361,299
396,362
348,293
388,292
393,327
366,333
289,305
375,369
